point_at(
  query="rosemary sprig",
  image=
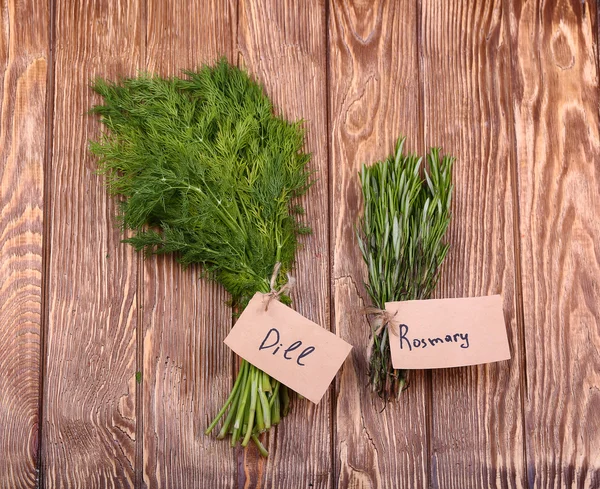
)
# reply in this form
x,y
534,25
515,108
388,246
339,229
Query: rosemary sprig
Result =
x,y
406,215
207,171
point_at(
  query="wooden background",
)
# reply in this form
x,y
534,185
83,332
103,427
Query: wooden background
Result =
x,y
509,87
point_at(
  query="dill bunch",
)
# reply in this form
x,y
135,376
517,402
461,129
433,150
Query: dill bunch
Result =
x,y
400,235
205,170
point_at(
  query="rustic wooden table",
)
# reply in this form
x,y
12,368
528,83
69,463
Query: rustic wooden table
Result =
x,y
509,87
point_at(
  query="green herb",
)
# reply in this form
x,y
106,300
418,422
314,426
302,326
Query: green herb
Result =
x,y
138,377
406,214
207,171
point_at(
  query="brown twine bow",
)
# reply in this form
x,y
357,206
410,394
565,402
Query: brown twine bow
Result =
x,y
274,293
382,319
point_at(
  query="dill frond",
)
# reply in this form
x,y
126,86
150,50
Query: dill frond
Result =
x,y
204,169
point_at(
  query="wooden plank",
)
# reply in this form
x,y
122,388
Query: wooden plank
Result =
x,y
477,436
374,90
24,55
283,44
89,396
187,370
555,76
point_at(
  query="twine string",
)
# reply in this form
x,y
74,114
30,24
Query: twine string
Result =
x,y
382,319
274,293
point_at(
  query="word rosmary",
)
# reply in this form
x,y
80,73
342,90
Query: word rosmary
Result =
x,y
272,340
446,333
405,341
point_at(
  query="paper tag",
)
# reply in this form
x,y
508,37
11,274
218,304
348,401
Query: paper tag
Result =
x,y
289,347
439,333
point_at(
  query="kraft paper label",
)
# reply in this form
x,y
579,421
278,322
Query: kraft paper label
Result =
x,y
289,347
440,333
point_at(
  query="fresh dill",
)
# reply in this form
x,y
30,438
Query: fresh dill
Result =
x,y
205,170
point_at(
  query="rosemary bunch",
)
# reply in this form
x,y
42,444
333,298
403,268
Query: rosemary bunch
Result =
x,y
406,214
207,171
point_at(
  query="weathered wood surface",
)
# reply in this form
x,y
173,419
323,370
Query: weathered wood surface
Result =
x,y
24,54
558,165
477,434
510,88
89,410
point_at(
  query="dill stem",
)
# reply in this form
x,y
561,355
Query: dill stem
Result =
x,y
266,382
237,425
260,417
252,412
229,418
233,410
275,393
274,404
261,448
285,398
264,407
229,400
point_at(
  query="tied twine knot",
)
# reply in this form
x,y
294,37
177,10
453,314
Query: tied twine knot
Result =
x,y
382,319
274,293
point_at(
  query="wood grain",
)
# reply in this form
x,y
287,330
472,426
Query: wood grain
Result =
x,y
477,436
509,87
187,370
374,98
283,44
555,76
89,396
24,55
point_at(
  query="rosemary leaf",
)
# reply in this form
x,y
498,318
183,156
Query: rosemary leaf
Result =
x,y
400,235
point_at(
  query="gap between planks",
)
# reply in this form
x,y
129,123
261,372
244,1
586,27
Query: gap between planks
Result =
x,y
46,238
519,315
